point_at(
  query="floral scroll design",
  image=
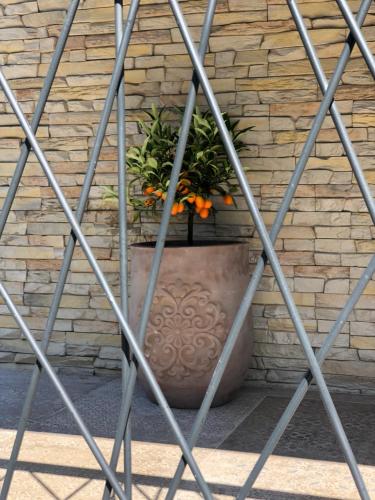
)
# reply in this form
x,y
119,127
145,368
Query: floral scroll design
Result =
x,y
186,332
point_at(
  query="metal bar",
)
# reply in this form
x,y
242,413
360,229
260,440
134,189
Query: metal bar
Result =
x,y
357,34
335,113
11,193
42,358
162,234
269,249
68,255
154,386
123,247
366,276
43,97
257,275
306,382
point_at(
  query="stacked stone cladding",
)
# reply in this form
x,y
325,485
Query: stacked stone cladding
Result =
x,y
259,71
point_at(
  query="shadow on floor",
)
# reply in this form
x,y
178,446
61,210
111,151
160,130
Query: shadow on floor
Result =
x,y
244,425
141,480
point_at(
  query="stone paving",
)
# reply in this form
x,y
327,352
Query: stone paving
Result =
x,y
56,464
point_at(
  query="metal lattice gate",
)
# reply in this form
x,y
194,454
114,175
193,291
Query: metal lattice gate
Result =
x,y
132,342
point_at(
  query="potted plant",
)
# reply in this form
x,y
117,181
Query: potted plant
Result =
x,y
200,283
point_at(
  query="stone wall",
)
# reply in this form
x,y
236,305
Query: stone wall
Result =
x,y
259,72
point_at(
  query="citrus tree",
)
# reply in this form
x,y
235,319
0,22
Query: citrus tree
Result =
x,y
205,171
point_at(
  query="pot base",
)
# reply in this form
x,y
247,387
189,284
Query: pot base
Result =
x,y
189,399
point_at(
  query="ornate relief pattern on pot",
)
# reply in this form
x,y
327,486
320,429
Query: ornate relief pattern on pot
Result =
x,y
186,331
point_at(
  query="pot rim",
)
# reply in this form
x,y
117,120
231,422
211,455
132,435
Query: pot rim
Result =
x,y
178,244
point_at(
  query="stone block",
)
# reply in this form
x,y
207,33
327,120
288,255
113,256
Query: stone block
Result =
x,y
362,328
340,246
109,364
337,286
367,355
308,284
94,339
108,352
81,350
356,368
240,5
6,357
220,44
42,19
365,343
26,252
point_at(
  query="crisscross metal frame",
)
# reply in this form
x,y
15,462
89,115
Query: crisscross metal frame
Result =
x,y
132,354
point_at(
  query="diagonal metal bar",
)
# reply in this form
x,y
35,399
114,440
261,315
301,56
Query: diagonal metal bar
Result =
x,y
249,294
357,34
42,358
162,234
272,249
25,149
335,113
366,276
305,383
269,249
154,386
68,255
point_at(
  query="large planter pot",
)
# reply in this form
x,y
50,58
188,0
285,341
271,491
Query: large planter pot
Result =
x,y
198,293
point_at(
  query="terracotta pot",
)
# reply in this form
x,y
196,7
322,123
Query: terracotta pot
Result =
x,y
198,293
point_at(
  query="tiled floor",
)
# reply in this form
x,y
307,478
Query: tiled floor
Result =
x,y
307,464
309,433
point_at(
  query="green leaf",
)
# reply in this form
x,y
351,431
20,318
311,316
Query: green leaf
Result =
x,y
152,162
109,193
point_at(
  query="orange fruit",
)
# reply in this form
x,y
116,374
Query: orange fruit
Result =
x,y
199,201
149,202
174,210
197,209
158,193
180,207
191,199
204,213
208,204
185,191
164,196
148,190
228,199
